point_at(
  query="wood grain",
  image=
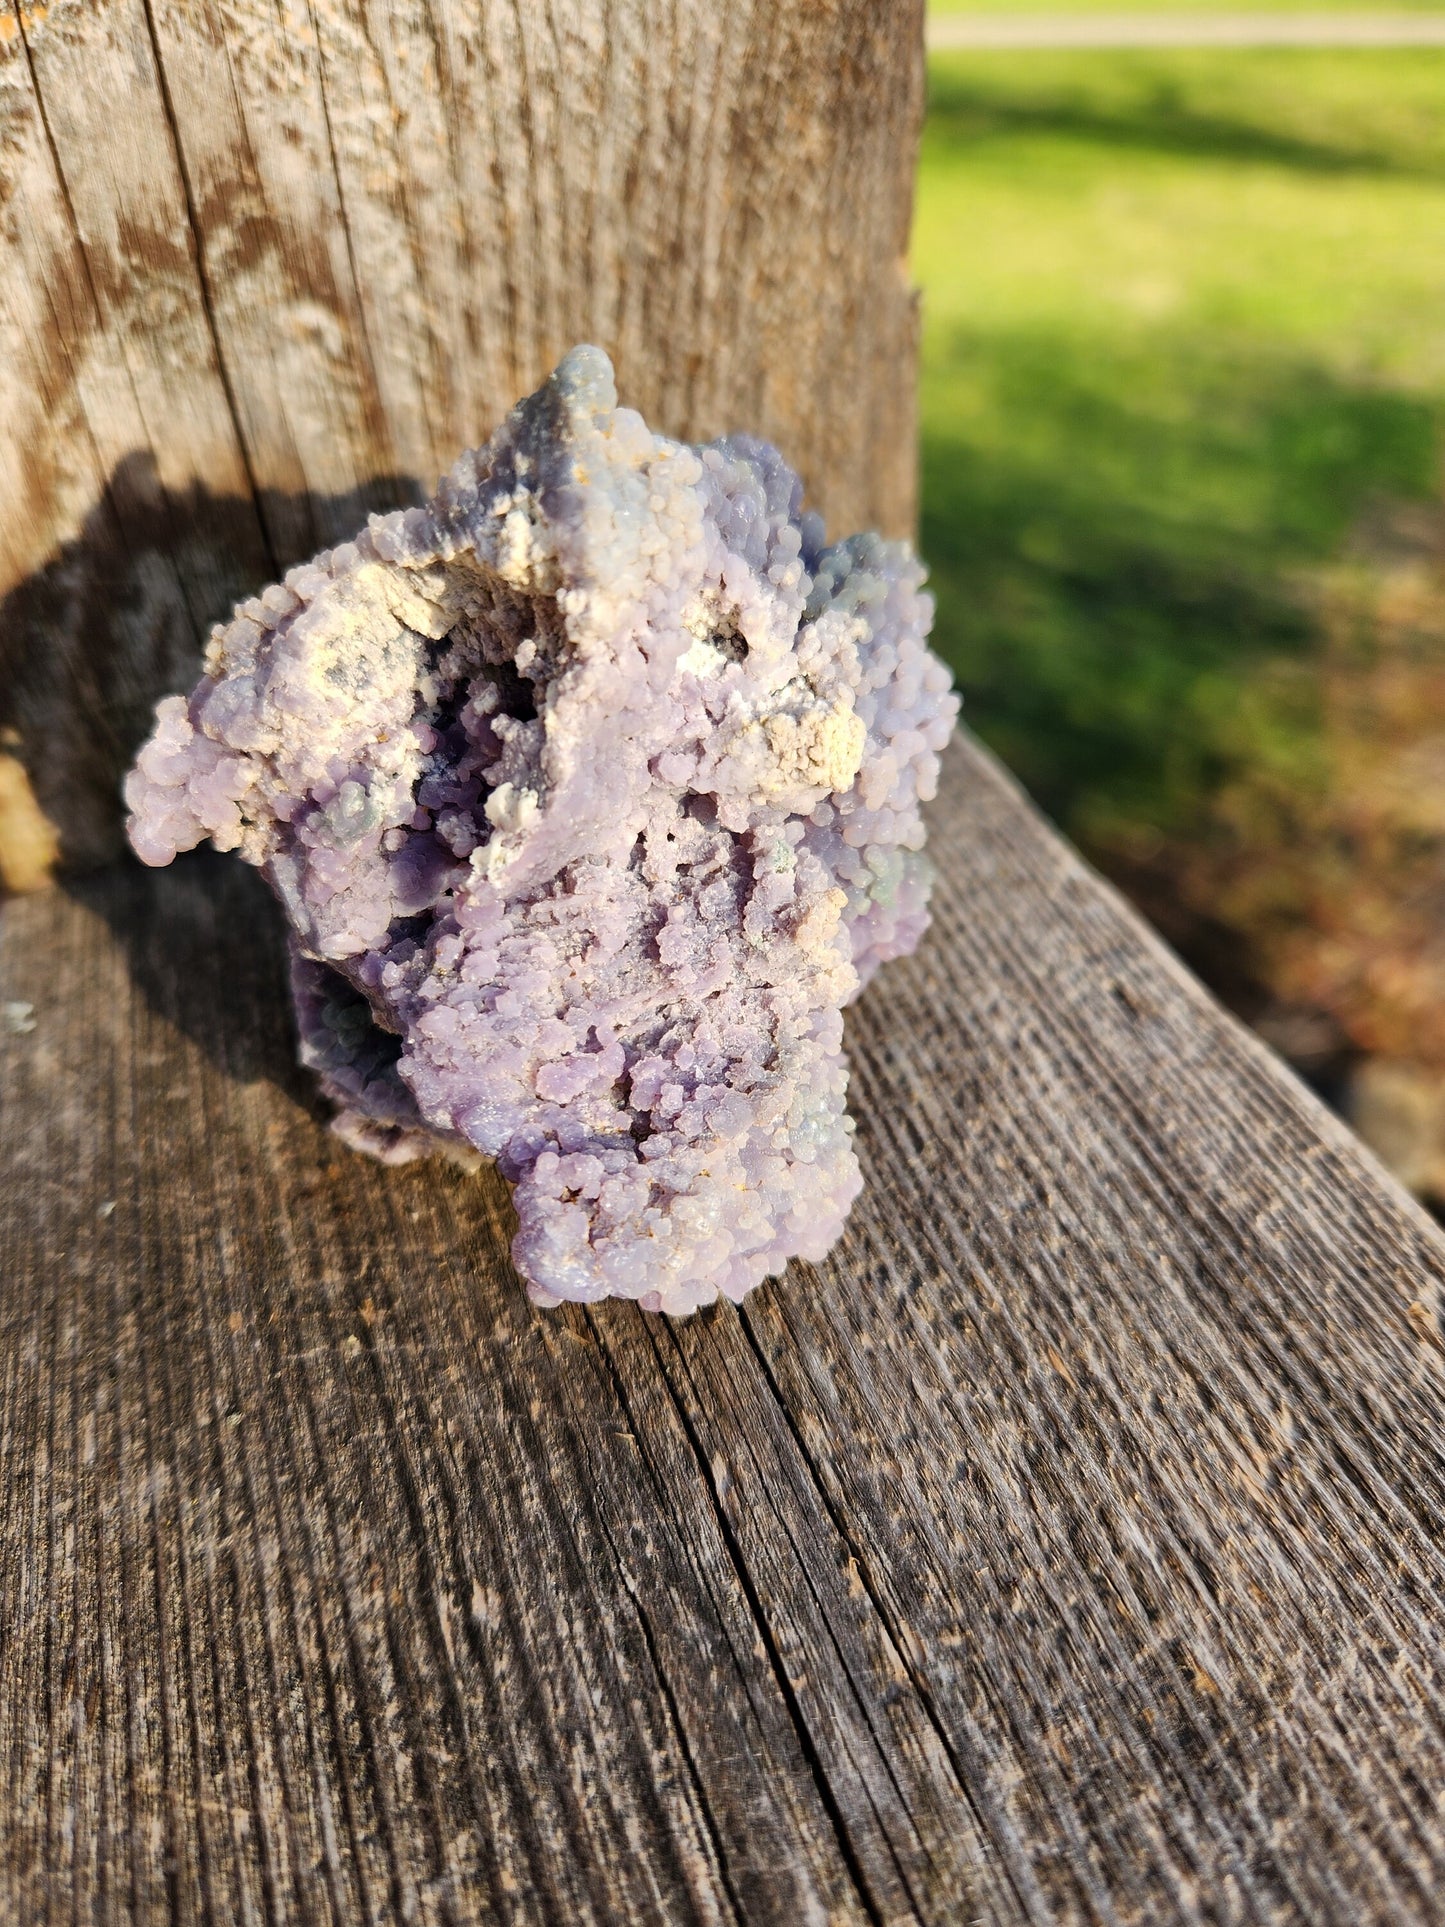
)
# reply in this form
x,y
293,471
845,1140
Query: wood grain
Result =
x,y
268,264
1067,1548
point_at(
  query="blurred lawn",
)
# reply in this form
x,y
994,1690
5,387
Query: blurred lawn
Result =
x,y
1184,328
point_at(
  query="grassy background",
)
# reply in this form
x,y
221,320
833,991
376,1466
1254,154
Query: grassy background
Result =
x,y
1184,337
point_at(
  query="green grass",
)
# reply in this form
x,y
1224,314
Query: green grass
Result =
x,y
1184,324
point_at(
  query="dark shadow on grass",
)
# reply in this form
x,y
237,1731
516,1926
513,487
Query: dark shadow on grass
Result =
x,y
1115,570
1123,594
1149,112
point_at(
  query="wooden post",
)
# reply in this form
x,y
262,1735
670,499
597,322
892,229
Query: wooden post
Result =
x,y
1068,1547
265,267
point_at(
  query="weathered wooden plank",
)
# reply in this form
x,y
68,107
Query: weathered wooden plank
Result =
x,y
244,97
110,565
264,267
1068,1547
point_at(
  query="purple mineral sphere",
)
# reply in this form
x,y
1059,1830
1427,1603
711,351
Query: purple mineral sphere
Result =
x,y
591,793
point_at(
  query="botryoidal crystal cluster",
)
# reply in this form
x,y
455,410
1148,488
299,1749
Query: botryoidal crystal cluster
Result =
x,y
591,793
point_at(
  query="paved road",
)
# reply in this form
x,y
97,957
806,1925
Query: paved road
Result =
x,y
1044,30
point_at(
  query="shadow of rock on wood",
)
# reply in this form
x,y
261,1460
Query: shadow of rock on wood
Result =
x,y
119,616
186,936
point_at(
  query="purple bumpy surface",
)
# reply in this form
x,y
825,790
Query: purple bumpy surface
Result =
x,y
591,792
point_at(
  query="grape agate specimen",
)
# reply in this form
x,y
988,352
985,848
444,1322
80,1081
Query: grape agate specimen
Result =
x,y
591,792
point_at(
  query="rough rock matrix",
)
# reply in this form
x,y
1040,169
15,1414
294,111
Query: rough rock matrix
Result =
x,y
591,791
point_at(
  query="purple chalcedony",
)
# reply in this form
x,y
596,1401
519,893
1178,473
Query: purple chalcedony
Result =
x,y
591,792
